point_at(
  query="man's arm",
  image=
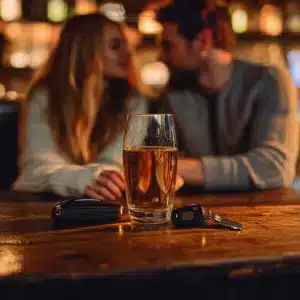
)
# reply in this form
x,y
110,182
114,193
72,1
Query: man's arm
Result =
x,y
270,161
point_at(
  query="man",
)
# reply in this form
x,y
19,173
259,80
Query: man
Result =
x,y
236,121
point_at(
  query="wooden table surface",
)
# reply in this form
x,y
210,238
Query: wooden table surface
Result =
x,y
269,242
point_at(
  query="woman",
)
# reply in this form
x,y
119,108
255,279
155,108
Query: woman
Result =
x,y
76,113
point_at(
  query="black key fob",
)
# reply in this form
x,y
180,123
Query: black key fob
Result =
x,y
87,210
191,216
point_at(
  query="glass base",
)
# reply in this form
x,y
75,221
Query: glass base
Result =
x,y
143,216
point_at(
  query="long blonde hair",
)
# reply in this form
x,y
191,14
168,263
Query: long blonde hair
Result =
x,y
83,122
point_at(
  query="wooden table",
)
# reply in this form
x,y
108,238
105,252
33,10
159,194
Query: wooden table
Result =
x,y
36,258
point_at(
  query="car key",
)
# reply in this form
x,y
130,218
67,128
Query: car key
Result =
x,y
197,215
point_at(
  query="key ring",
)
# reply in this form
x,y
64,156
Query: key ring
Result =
x,y
207,215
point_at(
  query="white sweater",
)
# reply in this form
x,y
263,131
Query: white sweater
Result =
x,y
44,167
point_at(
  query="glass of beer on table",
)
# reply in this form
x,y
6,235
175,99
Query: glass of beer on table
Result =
x,y
150,164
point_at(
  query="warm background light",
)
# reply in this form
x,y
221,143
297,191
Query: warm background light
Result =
x,y
155,74
293,24
270,20
57,10
114,11
85,6
30,43
19,60
30,32
147,24
10,9
38,57
13,31
41,32
11,95
239,20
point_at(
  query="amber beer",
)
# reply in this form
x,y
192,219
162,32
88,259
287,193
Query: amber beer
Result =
x,y
150,174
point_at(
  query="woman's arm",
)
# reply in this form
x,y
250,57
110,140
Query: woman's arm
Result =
x,y
43,166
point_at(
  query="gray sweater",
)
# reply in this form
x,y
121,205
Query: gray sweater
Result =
x,y
256,130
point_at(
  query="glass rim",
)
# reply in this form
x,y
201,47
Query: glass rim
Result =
x,y
150,115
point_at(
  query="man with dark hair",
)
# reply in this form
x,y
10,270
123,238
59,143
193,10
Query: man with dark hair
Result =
x,y
236,120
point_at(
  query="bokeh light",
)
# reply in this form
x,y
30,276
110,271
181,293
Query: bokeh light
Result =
x,y
11,95
114,11
13,30
270,20
41,33
57,10
10,9
19,60
155,74
83,7
148,25
293,23
38,57
239,20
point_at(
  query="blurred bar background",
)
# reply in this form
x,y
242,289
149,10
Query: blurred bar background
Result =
x,y
268,32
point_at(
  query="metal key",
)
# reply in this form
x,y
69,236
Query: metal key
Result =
x,y
197,215
227,223
208,215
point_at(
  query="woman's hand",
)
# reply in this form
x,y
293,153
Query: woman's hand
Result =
x,y
108,185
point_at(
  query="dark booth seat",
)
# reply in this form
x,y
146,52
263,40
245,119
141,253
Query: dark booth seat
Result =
x,y
9,130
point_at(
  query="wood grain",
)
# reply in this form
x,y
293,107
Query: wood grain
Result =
x,y
30,245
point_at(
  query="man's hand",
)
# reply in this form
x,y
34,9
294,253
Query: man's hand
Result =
x,y
179,182
191,170
109,185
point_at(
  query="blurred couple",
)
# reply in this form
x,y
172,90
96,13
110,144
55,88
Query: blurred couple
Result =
x,y
236,120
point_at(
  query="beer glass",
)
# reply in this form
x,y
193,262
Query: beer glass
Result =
x,y
150,164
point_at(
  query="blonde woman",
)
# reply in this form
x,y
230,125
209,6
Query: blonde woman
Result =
x,y
76,112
